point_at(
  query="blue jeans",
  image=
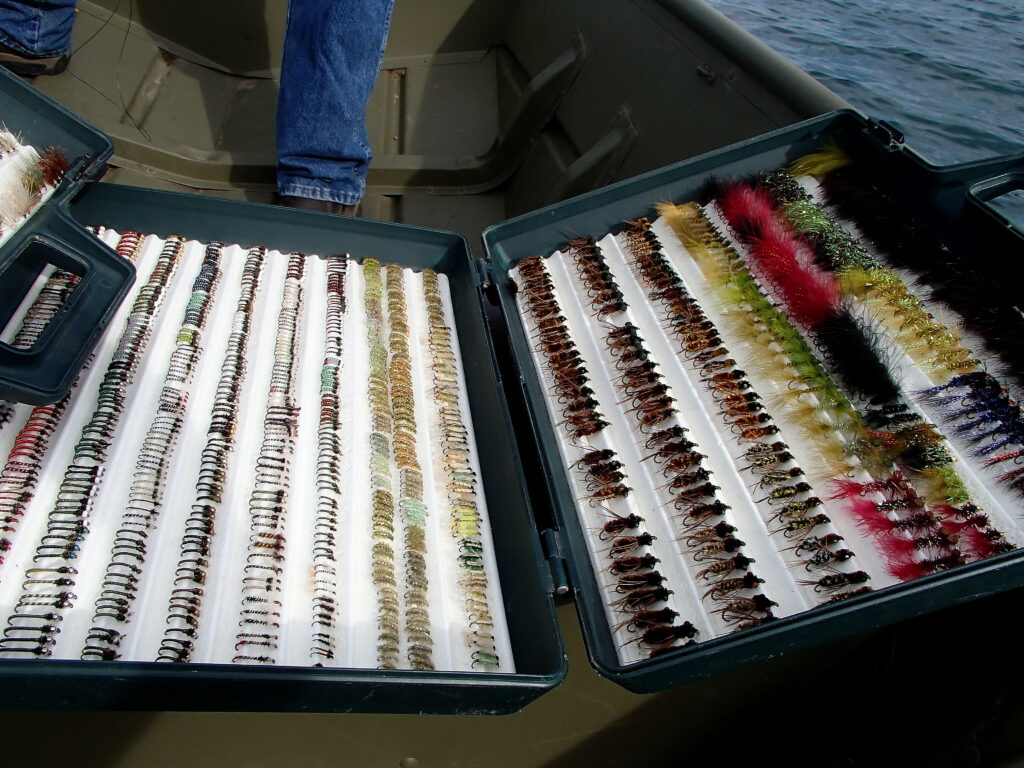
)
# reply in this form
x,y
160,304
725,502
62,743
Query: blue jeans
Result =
x,y
332,54
37,27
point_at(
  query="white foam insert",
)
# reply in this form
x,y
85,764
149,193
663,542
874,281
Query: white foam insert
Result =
x,y
697,410
355,632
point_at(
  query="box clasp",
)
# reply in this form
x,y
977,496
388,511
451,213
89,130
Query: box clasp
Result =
x,y
553,554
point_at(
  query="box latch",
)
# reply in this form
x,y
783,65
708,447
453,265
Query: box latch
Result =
x,y
887,133
86,169
553,554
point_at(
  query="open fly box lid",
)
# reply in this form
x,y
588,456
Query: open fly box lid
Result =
x,y
949,201
49,238
535,642
537,653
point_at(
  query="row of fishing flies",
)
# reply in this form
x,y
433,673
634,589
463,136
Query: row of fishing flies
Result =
x,y
710,539
740,407
640,588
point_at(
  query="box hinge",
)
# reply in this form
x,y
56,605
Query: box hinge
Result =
x,y
86,169
886,133
486,282
553,554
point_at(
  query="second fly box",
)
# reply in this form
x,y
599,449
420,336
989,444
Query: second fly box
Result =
x,y
773,388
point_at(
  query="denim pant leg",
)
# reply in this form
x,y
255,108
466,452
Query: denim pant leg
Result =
x,y
332,54
37,27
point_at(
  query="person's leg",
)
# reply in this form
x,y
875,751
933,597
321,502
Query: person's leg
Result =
x,y
35,35
332,54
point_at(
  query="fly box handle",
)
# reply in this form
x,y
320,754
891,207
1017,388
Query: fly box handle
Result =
x,y
44,371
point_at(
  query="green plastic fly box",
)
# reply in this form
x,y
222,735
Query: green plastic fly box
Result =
x,y
327,464
283,480
37,236
678,288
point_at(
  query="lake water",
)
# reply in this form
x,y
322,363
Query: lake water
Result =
x,y
949,74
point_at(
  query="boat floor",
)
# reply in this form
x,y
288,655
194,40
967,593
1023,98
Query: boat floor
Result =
x,y
184,124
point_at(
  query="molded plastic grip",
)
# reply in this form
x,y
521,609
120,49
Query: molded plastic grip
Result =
x,y
995,178
45,372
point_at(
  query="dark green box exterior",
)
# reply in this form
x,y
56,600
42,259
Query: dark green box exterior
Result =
x,y
949,200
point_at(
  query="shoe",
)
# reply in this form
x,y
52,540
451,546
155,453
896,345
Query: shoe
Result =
x,y
323,206
31,66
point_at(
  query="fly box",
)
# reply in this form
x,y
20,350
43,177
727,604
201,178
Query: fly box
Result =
x,y
290,476
707,296
40,236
